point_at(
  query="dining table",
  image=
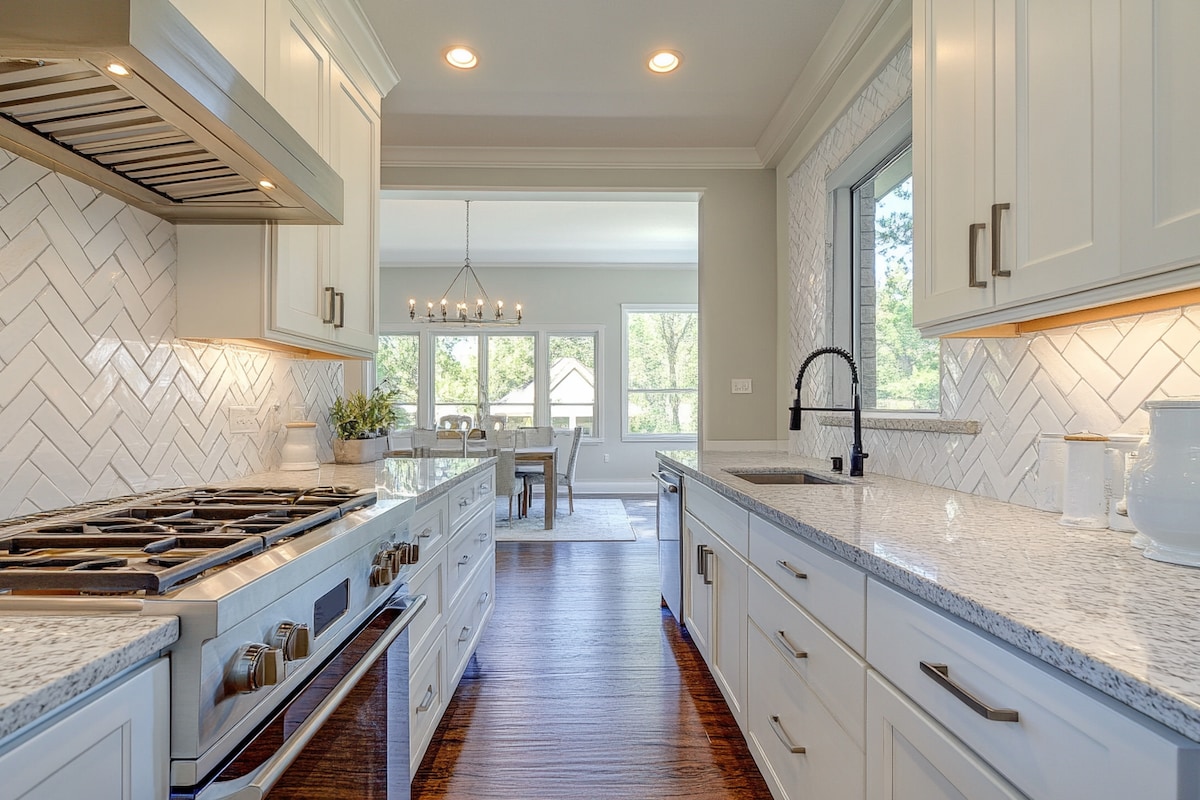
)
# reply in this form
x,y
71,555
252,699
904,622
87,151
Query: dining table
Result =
x,y
547,456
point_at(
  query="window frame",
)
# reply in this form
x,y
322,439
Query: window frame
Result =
x,y
541,334
883,144
626,309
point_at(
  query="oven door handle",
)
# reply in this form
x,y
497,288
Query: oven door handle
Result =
x,y
259,783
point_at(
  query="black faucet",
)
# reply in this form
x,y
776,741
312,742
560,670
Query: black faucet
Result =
x,y
856,452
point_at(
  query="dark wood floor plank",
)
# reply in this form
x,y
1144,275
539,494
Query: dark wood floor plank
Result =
x,y
583,687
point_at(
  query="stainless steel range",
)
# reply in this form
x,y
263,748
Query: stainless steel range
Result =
x,y
271,587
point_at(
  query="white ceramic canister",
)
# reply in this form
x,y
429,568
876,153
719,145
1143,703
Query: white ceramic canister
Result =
x,y
1084,504
1164,484
300,447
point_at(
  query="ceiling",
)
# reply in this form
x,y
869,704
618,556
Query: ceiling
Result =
x,y
567,80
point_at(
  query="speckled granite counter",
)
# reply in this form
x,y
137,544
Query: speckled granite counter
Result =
x,y
46,661
395,479
1083,601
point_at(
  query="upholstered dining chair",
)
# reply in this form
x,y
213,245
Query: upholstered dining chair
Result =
x,y
566,473
507,483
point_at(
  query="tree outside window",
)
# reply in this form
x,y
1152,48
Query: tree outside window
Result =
x,y
398,364
661,372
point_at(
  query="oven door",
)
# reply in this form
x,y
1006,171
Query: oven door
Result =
x,y
343,734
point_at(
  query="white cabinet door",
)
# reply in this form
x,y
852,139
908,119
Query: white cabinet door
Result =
x,y
697,589
1057,139
1160,192
729,573
911,757
298,76
952,157
112,747
354,253
241,44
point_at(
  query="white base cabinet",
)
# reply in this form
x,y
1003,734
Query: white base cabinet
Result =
x,y
456,571
114,745
911,757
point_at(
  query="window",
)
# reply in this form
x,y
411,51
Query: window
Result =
x,y
871,200
540,377
661,372
398,363
573,382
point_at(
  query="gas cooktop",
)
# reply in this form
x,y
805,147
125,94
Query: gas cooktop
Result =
x,y
152,546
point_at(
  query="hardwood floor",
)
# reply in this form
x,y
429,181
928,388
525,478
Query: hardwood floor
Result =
x,y
582,687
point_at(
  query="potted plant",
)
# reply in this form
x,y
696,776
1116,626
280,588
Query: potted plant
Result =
x,y
361,423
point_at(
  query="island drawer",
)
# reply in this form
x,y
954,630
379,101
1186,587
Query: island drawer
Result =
x,y
723,517
468,548
426,699
1064,740
429,526
474,493
829,589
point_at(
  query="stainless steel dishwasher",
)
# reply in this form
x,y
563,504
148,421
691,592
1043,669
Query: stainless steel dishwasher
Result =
x,y
670,529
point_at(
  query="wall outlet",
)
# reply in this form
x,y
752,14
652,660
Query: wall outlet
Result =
x,y
741,386
242,419
606,458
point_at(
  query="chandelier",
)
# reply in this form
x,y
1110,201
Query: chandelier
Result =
x,y
483,312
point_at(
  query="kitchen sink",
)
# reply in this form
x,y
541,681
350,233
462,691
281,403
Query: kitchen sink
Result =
x,y
785,478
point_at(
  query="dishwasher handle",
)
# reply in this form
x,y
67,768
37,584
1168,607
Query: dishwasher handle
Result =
x,y
673,488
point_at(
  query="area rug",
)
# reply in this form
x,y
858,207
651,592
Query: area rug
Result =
x,y
594,520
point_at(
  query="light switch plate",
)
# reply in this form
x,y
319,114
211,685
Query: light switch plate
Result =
x,y
741,386
242,419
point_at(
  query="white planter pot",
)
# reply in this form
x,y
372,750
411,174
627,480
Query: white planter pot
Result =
x,y
355,451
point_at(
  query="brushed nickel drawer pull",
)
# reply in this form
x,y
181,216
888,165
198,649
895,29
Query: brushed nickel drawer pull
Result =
x,y
425,534
483,536
973,256
795,572
462,561
341,320
777,726
330,303
427,701
788,647
700,559
466,634
941,676
996,209
708,578
483,598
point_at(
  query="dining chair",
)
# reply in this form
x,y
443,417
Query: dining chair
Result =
x,y
508,484
489,422
424,441
566,475
539,436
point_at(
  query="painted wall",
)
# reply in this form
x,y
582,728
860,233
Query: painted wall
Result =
x,y
736,273
573,296
1092,377
97,397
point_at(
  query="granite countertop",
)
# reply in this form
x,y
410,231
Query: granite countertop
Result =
x,y
1082,601
46,661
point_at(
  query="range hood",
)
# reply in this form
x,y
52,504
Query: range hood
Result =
x,y
181,134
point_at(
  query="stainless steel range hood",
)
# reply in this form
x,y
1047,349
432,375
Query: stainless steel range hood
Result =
x,y
181,135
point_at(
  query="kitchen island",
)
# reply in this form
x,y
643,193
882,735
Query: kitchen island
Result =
x,y
1084,602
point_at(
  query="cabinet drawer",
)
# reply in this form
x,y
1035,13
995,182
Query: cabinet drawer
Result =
x,y
832,671
426,699
467,620
1067,741
782,707
469,496
723,517
429,580
429,526
467,548
831,590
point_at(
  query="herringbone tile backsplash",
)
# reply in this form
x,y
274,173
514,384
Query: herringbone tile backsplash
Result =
x,y
1092,377
97,397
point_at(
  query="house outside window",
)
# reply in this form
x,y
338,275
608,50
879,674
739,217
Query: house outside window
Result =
x,y
661,372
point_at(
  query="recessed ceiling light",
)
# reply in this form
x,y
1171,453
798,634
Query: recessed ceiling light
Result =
x,y
664,61
266,184
461,57
118,69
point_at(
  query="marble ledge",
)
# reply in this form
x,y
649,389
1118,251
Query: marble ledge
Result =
x,y
1083,602
48,661
969,427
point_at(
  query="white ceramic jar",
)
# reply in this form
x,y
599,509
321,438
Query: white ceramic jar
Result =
x,y
1164,483
299,449
1084,503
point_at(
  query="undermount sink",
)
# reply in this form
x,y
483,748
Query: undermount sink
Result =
x,y
787,478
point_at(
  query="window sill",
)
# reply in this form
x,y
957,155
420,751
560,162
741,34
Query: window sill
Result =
x,y
926,424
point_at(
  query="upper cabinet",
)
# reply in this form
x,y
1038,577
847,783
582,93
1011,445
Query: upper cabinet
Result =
x,y
1046,169
314,288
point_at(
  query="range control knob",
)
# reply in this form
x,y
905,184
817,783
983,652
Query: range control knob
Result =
x,y
293,639
255,666
383,568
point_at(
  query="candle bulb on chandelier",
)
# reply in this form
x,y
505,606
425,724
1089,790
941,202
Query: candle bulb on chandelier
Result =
x,y
518,312
479,308
499,309
429,310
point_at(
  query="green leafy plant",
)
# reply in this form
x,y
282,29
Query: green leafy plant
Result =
x,y
362,416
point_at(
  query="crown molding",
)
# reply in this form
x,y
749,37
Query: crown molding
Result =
x,y
857,21
574,157
346,32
